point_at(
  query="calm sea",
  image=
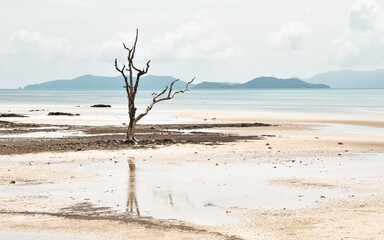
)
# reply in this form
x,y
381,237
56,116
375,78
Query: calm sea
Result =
x,y
367,103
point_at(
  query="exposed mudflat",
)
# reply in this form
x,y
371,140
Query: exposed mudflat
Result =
x,y
20,138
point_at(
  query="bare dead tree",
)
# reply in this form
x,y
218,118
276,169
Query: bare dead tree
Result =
x,y
131,85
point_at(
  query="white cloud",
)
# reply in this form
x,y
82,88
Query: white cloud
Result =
x,y
290,37
201,38
108,50
364,15
32,56
363,40
24,42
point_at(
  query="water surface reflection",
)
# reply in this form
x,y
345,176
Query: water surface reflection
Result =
x,y
132,200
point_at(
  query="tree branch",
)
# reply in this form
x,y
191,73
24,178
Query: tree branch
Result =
x,y
123,74
134,45
185,89
169,96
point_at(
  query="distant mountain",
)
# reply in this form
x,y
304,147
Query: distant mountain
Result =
x,y
261,82
350,79
271,82
91,82
212,85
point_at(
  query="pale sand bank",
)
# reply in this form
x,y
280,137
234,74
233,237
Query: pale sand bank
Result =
x,y
354,211
280,118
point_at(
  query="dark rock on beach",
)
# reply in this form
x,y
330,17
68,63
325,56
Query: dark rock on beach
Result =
x,y
4,115
62,114
101,106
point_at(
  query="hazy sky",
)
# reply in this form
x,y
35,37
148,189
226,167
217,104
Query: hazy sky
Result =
x,y
214,40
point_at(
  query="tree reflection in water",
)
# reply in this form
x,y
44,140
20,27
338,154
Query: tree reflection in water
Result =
x,y
132,200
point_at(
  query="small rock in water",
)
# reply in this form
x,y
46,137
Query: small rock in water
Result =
x,y
62,114
101,106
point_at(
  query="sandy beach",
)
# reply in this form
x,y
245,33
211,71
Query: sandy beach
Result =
x,y
206,180
184,120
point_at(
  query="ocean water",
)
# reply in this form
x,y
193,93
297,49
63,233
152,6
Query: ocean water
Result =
x,y
357,103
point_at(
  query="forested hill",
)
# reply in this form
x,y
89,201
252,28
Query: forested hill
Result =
x,y
261,82
351,79
151,82
91,82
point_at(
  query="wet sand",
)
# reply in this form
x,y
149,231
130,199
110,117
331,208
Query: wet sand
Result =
x,y
332,181
271,117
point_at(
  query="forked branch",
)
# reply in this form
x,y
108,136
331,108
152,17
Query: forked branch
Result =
x,y
157,97
122,73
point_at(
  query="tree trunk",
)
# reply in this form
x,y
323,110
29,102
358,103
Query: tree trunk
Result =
x,y
131,131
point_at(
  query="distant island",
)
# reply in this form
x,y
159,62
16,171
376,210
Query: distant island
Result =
x,y
151,82
332,79
91,82
350,79
261,82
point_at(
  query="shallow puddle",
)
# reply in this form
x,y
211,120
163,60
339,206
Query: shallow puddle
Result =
x,y
204,193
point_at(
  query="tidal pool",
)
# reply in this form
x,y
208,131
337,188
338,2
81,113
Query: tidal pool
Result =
x,y
204,193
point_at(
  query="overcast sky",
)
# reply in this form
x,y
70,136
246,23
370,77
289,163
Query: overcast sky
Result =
x,y
214,40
